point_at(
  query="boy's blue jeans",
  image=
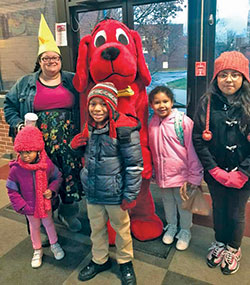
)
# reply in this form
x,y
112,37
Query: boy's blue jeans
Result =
x,y
98,216
172,203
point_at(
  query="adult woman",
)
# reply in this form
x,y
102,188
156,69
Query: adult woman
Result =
x,y
221,137
49,93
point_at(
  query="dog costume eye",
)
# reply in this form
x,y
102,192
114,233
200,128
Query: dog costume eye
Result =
x,y
100,38
122,37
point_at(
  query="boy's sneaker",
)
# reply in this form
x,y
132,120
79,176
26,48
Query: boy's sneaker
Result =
x,y
184,237
170,233
231,260
127,273
216,254
37,258
57,251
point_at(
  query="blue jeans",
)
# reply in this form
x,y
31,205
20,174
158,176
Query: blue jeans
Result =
x,y
229,207
172,203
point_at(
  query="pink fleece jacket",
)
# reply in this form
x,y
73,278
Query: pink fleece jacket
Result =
x,y
173,163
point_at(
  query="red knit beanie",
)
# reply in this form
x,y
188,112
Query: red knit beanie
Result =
x,y
232,60
105,91
29,139
108,93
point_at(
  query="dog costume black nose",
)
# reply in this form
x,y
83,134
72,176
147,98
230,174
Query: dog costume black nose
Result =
x,y
110,53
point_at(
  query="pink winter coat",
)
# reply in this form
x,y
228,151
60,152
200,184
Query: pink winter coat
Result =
x,y
173,163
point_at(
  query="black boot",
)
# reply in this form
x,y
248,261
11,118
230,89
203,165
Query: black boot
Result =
x,y
92,269
127,273
67,215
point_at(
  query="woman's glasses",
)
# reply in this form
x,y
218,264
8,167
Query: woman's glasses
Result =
x,y
48,59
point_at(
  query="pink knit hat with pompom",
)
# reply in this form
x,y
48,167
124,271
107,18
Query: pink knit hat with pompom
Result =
x,y
29,139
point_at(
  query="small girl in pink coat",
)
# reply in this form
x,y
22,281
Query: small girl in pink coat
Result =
x,y
174,163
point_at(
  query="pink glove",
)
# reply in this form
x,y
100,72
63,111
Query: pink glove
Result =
x,y
78,141
127,205
234,179
237,179
219,175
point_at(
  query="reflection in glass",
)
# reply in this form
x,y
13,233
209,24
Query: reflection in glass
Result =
x,y
88,20
233,27
162,27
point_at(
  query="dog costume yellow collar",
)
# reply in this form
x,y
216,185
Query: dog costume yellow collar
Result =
x,y
125,92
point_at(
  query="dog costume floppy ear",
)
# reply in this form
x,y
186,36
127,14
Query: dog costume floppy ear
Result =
x,y
81,77
142,69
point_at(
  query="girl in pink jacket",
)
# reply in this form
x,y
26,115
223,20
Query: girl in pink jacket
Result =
x,y
175,162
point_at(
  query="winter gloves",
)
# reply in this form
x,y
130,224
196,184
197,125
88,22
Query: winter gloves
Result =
x,y
237,179
78,141
219,175
127,205
234,179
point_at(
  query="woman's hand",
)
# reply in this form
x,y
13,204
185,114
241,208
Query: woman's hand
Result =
x,y
47,194
20,126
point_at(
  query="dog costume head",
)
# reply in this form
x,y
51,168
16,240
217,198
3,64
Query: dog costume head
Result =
x,y
112,52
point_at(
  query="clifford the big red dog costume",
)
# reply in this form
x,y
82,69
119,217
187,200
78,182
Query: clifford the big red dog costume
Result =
x,y
113,52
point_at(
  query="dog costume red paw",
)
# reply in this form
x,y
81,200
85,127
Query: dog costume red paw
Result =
x,y
113,52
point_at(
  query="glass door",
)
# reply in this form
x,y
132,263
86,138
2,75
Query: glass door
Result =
x,y
233,27
88,20
163,30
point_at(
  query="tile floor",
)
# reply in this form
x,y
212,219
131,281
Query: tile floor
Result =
x,y
154,263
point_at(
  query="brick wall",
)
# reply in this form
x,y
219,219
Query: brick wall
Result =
x,y
6,146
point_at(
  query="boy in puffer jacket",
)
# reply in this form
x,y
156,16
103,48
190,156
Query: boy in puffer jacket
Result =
x,y
111,178
32,182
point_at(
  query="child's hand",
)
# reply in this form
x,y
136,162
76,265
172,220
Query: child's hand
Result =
x,y
47,194
78,141
127,205
186,190
183,192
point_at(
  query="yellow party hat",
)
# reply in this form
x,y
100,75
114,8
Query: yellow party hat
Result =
x,y
46,38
